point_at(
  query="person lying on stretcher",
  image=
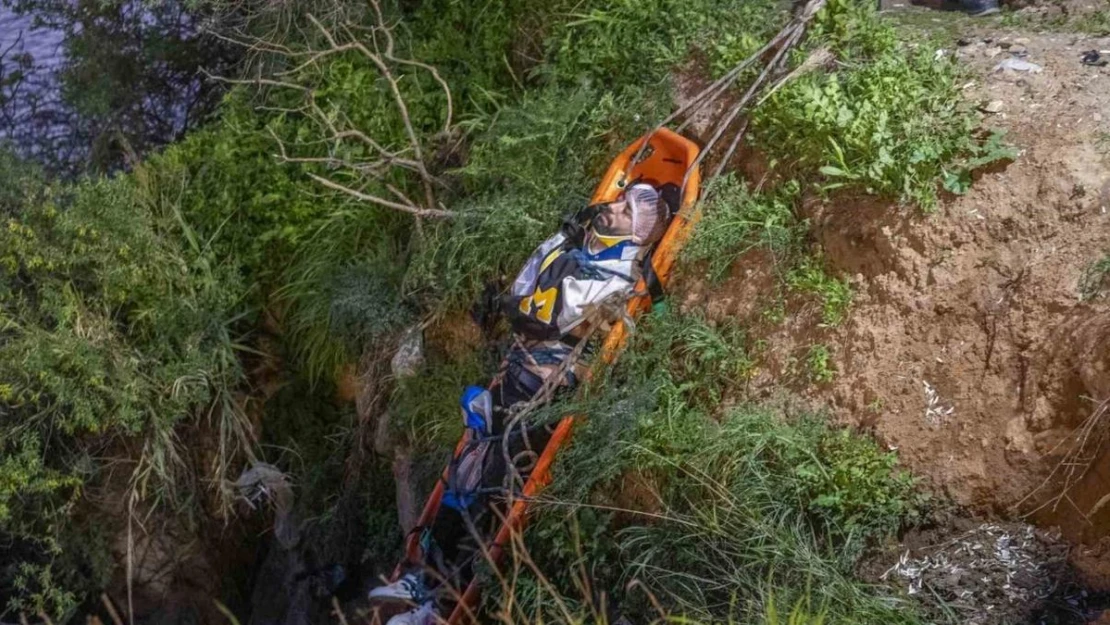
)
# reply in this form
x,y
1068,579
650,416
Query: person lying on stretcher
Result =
x,y
566,287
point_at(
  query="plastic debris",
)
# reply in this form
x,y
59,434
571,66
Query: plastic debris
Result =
x,y
410,354
1018,65
986,575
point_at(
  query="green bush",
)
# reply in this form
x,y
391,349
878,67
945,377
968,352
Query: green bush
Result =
x,y
857,487
115,322
745,502
891,120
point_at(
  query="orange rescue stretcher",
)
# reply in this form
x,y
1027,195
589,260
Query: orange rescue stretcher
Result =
x,y
668,158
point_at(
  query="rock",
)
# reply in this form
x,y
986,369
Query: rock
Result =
x,y
1018,437
994,106
409,358
1018,65
265,482
992,52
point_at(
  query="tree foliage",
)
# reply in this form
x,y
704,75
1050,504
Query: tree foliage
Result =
x,y
118,324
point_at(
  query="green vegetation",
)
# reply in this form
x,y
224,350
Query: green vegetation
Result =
x,y
1095,279
819,366
119,326
137,312
743,507
737,221
835,295
892,122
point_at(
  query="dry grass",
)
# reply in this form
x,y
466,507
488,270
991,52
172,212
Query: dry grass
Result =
x,y
1080,450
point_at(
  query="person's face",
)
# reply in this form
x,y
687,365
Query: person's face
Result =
x,y
615,219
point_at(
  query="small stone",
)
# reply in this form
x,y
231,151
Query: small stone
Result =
x,y
994,106
992,52
963,42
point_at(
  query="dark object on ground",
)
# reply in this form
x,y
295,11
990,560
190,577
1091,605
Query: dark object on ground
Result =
x,y
974,8
977,8
986,574
1094,58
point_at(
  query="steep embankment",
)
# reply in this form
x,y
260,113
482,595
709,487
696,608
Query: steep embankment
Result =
x,y
977,340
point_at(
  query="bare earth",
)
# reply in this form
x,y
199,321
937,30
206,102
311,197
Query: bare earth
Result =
x,y
968,348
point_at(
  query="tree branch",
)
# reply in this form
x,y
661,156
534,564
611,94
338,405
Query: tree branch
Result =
x,y
366,197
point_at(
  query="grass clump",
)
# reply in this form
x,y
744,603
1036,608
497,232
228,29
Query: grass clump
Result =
x,y
835,294
738,220
1095,280
738,508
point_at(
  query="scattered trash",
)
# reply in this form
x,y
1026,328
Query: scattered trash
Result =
x,y
1094,58
990,574
994,106
410,353
1018,65
936,412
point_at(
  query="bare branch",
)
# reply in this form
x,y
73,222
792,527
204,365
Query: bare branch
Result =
x,y
258,82
366,197
372,168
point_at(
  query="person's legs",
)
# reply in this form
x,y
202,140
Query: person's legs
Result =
x,y
454,541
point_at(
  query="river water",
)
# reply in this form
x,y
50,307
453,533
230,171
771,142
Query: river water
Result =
x,y
32,113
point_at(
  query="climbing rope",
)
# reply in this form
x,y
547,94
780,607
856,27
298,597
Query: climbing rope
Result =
x,y
778,47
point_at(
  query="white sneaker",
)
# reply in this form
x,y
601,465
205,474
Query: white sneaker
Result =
x,y
409,588
424,615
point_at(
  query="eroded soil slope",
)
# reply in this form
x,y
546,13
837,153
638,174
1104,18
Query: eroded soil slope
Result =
x,y
968,347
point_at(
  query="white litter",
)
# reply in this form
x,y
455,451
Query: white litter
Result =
x,y
1018,65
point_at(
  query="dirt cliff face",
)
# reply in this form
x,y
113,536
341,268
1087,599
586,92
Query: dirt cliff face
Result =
x,y
969,348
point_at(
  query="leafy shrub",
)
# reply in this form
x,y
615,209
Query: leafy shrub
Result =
x,y
856,486
115,322
241,201
891,121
